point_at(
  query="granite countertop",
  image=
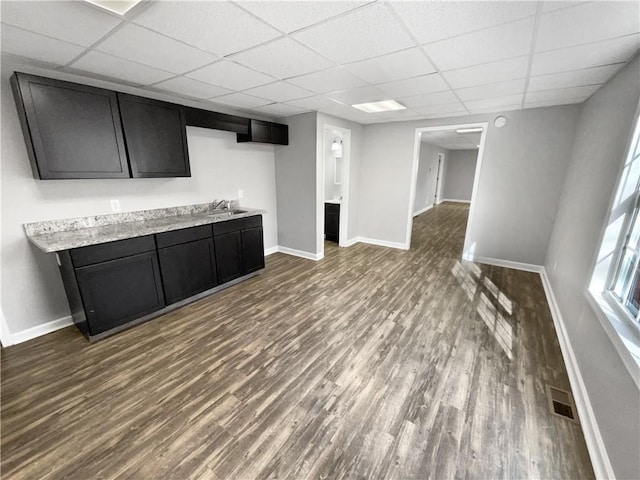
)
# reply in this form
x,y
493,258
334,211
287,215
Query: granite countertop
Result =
x,y
58,235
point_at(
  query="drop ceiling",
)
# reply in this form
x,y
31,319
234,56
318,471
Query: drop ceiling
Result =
x,y
452,140
278,58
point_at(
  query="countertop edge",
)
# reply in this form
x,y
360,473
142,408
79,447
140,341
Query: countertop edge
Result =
x,y
47,244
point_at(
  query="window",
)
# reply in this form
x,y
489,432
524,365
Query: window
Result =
x,y
624,280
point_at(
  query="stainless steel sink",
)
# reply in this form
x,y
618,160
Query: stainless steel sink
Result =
x,y
228,213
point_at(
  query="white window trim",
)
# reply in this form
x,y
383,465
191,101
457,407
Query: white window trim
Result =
x,y
622,331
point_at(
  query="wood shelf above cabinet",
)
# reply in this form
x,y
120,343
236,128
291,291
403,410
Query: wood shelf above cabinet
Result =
x,y
266,132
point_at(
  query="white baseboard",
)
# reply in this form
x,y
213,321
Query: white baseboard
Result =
x,y
39,330
301,254
351,241
422,210
527,267
597,451
270,251
456,200
384,243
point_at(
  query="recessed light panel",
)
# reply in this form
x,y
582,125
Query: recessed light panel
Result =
x,y
383,106
116,6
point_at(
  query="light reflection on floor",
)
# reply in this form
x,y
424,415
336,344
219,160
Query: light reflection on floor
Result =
x,y
491,303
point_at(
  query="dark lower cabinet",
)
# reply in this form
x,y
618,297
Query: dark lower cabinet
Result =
x,y
187,268
252,249
121,290
228,255
332,222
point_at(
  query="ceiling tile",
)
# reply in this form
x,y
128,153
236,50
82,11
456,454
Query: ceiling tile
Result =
x,y
428,99
280,110
549,6
601,53
279,92
282,58
496,109
191,88
149,48
217,27
499,71
587,23
292,16
497,43
553,103
230,75
581,93
38,47
319,103
490,90
441,109
394,66
414,86
359,95
364,33
431,21
445,115
397,115
114,67
75,22
330,80
496,102
574,78
242,100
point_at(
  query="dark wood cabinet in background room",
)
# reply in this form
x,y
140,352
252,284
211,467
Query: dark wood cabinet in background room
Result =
x,y
187,262
118,282
332,222
70,130
156,137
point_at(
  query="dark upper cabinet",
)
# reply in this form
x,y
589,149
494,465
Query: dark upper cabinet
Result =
x,y
187,262
156,137
71,130
265,132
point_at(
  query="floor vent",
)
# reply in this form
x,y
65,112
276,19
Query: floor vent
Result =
x,y
561,403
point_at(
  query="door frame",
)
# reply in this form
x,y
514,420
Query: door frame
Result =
x,y
467,250
439,179
345,133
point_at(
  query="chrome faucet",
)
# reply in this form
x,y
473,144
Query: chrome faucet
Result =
x,y
224,204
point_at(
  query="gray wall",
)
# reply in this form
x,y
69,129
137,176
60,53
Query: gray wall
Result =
x,y
427,175
599,148
459,171
296,184
31,289
332,191
519,186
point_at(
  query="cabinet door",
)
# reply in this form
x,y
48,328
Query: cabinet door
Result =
x,y
332,222
187,269
119,291
71,130
252,250
228,247
156,137
279,134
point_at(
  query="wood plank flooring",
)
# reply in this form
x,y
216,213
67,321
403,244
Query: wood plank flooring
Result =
x,y
372,363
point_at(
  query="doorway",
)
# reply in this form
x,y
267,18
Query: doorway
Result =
x,y
448,159
333,211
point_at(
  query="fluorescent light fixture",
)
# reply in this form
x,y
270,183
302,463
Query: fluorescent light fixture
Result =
x,y
116,6
383,106
469,130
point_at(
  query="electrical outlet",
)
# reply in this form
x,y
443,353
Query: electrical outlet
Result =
x,y
115,205
240,193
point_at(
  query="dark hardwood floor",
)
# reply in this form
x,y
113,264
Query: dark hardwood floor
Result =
x,y
372,363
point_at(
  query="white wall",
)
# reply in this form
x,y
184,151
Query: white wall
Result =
x,y
459,172
519,186
296,178
604,125
32,292
427,175
332,190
